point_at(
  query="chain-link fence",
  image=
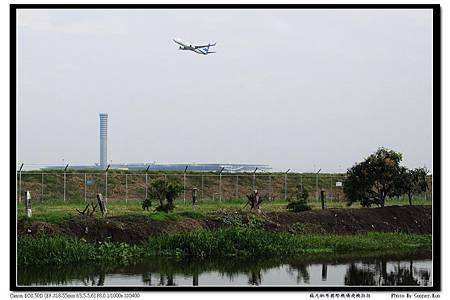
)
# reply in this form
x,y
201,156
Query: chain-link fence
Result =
x,y
72,186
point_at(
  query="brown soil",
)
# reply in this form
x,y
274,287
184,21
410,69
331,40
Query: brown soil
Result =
x,y
135,229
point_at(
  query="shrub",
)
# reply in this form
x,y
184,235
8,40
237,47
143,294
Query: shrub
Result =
x,y
298,206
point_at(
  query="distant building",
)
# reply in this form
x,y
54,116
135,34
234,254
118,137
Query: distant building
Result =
x,y
171,167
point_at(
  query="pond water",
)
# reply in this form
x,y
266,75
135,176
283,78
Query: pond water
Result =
x,y
411,270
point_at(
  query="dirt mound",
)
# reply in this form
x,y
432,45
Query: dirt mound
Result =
x,y
408,219
134,229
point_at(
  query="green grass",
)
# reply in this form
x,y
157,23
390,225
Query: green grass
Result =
x,y
232,242
58,211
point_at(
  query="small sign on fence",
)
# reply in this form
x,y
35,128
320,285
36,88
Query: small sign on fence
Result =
x,y
89,182
338,183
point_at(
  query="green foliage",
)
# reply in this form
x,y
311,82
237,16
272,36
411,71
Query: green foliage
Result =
x,y
165,193
146,204
231,242
301,203
298,206
373,180
412,182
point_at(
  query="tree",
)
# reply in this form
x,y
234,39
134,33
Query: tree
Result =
x,y
373,180
301,203
165,193
412,182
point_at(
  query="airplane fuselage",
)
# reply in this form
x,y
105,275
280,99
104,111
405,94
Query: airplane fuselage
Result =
x,y
187,46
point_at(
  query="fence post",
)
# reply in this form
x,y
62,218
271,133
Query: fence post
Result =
x,y
220,187
126,188
285,184
184,185
64,195
254,178
220,184
202,186
146,182
42,186
106,186
85,187
106,183
317,184
20,186
184,188
270,187
331,195
20,183
237,186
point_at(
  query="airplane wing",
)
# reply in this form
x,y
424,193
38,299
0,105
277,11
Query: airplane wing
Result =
x,y
203,46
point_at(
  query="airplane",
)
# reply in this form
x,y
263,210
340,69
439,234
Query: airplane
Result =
x,y
203,49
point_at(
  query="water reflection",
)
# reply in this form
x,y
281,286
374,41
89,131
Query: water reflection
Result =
x,y
336,270
383,272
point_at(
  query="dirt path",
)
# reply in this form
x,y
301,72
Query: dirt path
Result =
x,y
134,229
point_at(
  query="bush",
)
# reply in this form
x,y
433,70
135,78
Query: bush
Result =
x,y
298,206
165,193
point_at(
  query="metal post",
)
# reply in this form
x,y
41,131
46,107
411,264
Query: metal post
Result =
x,y
106,183
184,188
237,186
331,187
254,178
20,183
220,184
184,185
65,169
317,184
20,186
106,186
85,187
64,186
285,184
271,188
202,186
42,186
146,182
220,187
126,188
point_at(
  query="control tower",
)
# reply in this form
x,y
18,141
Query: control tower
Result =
x,y
103,140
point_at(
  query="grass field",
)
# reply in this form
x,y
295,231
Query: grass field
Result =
x,y
55,211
